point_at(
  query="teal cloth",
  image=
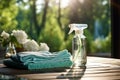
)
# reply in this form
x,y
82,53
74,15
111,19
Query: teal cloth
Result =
x,y
33,57
43,59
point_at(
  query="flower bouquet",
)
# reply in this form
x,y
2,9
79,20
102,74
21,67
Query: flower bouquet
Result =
x,y
19,40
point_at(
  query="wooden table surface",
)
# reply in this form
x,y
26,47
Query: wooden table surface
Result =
x,y
97,68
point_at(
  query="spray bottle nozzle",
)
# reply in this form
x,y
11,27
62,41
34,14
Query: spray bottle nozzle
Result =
x,y
78,28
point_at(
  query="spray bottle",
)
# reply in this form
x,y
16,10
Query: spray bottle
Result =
x,y
78,44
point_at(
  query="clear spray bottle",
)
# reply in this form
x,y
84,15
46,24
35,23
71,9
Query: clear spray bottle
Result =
x,y
78,44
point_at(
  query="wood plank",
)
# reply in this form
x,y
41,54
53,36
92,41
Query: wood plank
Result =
x,y
96,69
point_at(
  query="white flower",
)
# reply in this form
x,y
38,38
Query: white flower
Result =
x,y
31,45
44,47
5,35
20,35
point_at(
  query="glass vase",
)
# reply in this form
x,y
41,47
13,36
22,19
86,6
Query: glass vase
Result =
x,y
10,50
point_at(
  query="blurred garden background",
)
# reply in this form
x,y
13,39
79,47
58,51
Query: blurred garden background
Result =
x,y
47,21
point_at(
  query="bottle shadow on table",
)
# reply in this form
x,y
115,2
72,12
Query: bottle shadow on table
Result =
x,y
75,73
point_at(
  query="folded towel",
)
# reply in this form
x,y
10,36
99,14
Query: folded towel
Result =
x,y
32,57
42,60
12,64
35,57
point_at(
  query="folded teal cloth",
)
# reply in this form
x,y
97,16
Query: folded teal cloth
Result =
x,y
43,59
33,57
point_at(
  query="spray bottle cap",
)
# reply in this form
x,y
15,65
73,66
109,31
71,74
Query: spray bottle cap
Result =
x,y
78,28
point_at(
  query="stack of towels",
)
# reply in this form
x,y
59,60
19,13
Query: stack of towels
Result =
x,y
40,60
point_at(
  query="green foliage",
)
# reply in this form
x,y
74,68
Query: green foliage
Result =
x,y
68,43
55,32
101,45
8,12
89,39
52,35
4,42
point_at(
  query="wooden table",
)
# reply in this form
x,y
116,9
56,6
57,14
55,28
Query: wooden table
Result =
x,y
97,68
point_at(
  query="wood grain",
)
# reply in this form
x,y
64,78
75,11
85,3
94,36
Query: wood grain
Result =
x,y
97,68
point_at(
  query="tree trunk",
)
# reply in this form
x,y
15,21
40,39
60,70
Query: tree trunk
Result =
x,y
34,21
44,15
59,14
35,18
31,21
